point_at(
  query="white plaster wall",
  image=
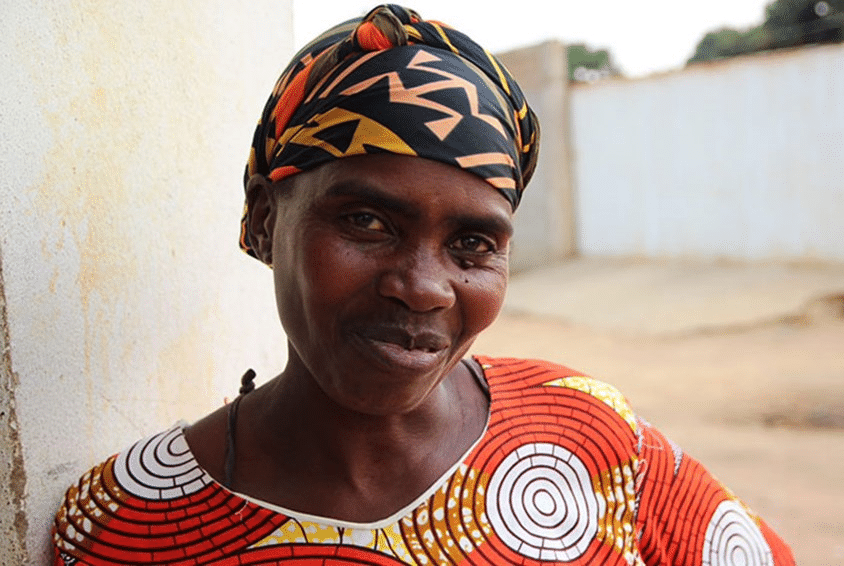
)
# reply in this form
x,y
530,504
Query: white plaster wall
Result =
x,y
544,227
742,159
123,134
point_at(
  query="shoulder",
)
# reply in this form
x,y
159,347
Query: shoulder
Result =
x,y
121,499
540,379
558,439
153,503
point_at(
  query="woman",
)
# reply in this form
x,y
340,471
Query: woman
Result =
x,y
381,185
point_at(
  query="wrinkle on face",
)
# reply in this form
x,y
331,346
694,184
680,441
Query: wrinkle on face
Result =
x,y
387,268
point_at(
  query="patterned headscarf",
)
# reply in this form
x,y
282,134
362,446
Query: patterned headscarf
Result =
x,y
394,83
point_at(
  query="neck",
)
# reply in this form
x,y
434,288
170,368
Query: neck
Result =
x,y
353,443
303,451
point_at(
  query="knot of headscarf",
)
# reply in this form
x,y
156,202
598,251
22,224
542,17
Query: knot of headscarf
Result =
x,y
394,83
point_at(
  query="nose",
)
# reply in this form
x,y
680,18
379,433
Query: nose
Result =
x,y
419,279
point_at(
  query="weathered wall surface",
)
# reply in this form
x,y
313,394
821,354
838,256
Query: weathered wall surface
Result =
x,y
544,222
742,159
123,135
13,520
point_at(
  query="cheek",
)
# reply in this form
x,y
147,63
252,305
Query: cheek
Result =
x,y
334,273
484,296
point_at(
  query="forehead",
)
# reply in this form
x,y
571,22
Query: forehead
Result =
x,y
421,186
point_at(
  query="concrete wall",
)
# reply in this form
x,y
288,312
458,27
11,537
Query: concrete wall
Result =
x,y
741,159
544,224
124,302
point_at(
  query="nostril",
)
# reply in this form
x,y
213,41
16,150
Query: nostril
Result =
x,y
419,281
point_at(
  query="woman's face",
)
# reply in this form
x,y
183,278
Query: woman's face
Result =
x,y
386,269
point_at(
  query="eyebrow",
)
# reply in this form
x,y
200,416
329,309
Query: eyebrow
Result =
x,y
368,193
492,223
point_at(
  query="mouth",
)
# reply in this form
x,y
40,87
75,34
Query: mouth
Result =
x,y
398,347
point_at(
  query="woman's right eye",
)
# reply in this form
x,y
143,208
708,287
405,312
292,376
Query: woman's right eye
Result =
x,y
366,221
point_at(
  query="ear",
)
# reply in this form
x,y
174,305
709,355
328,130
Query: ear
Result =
x,y
261,209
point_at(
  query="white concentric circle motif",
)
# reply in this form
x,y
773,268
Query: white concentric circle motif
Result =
x,y
734,539
542,504
160,467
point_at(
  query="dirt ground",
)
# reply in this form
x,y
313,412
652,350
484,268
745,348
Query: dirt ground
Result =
x,y
761,406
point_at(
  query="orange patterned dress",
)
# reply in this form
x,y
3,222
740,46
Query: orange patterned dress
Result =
x,y
563,474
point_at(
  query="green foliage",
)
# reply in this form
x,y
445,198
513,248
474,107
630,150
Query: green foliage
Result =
x,y
728,42
586,64
788,23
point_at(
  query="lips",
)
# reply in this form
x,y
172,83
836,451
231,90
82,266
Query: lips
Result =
x,y
400,347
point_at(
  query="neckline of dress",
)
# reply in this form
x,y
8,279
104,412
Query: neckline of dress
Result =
x,y
476,368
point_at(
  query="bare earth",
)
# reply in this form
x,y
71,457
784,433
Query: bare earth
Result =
x,y
761,405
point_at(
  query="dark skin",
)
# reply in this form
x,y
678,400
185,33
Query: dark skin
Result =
x,y
386,268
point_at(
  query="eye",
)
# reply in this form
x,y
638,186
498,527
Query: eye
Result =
x,y
366,221
474,244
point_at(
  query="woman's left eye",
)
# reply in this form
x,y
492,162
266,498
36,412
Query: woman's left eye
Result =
x,y
474,244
